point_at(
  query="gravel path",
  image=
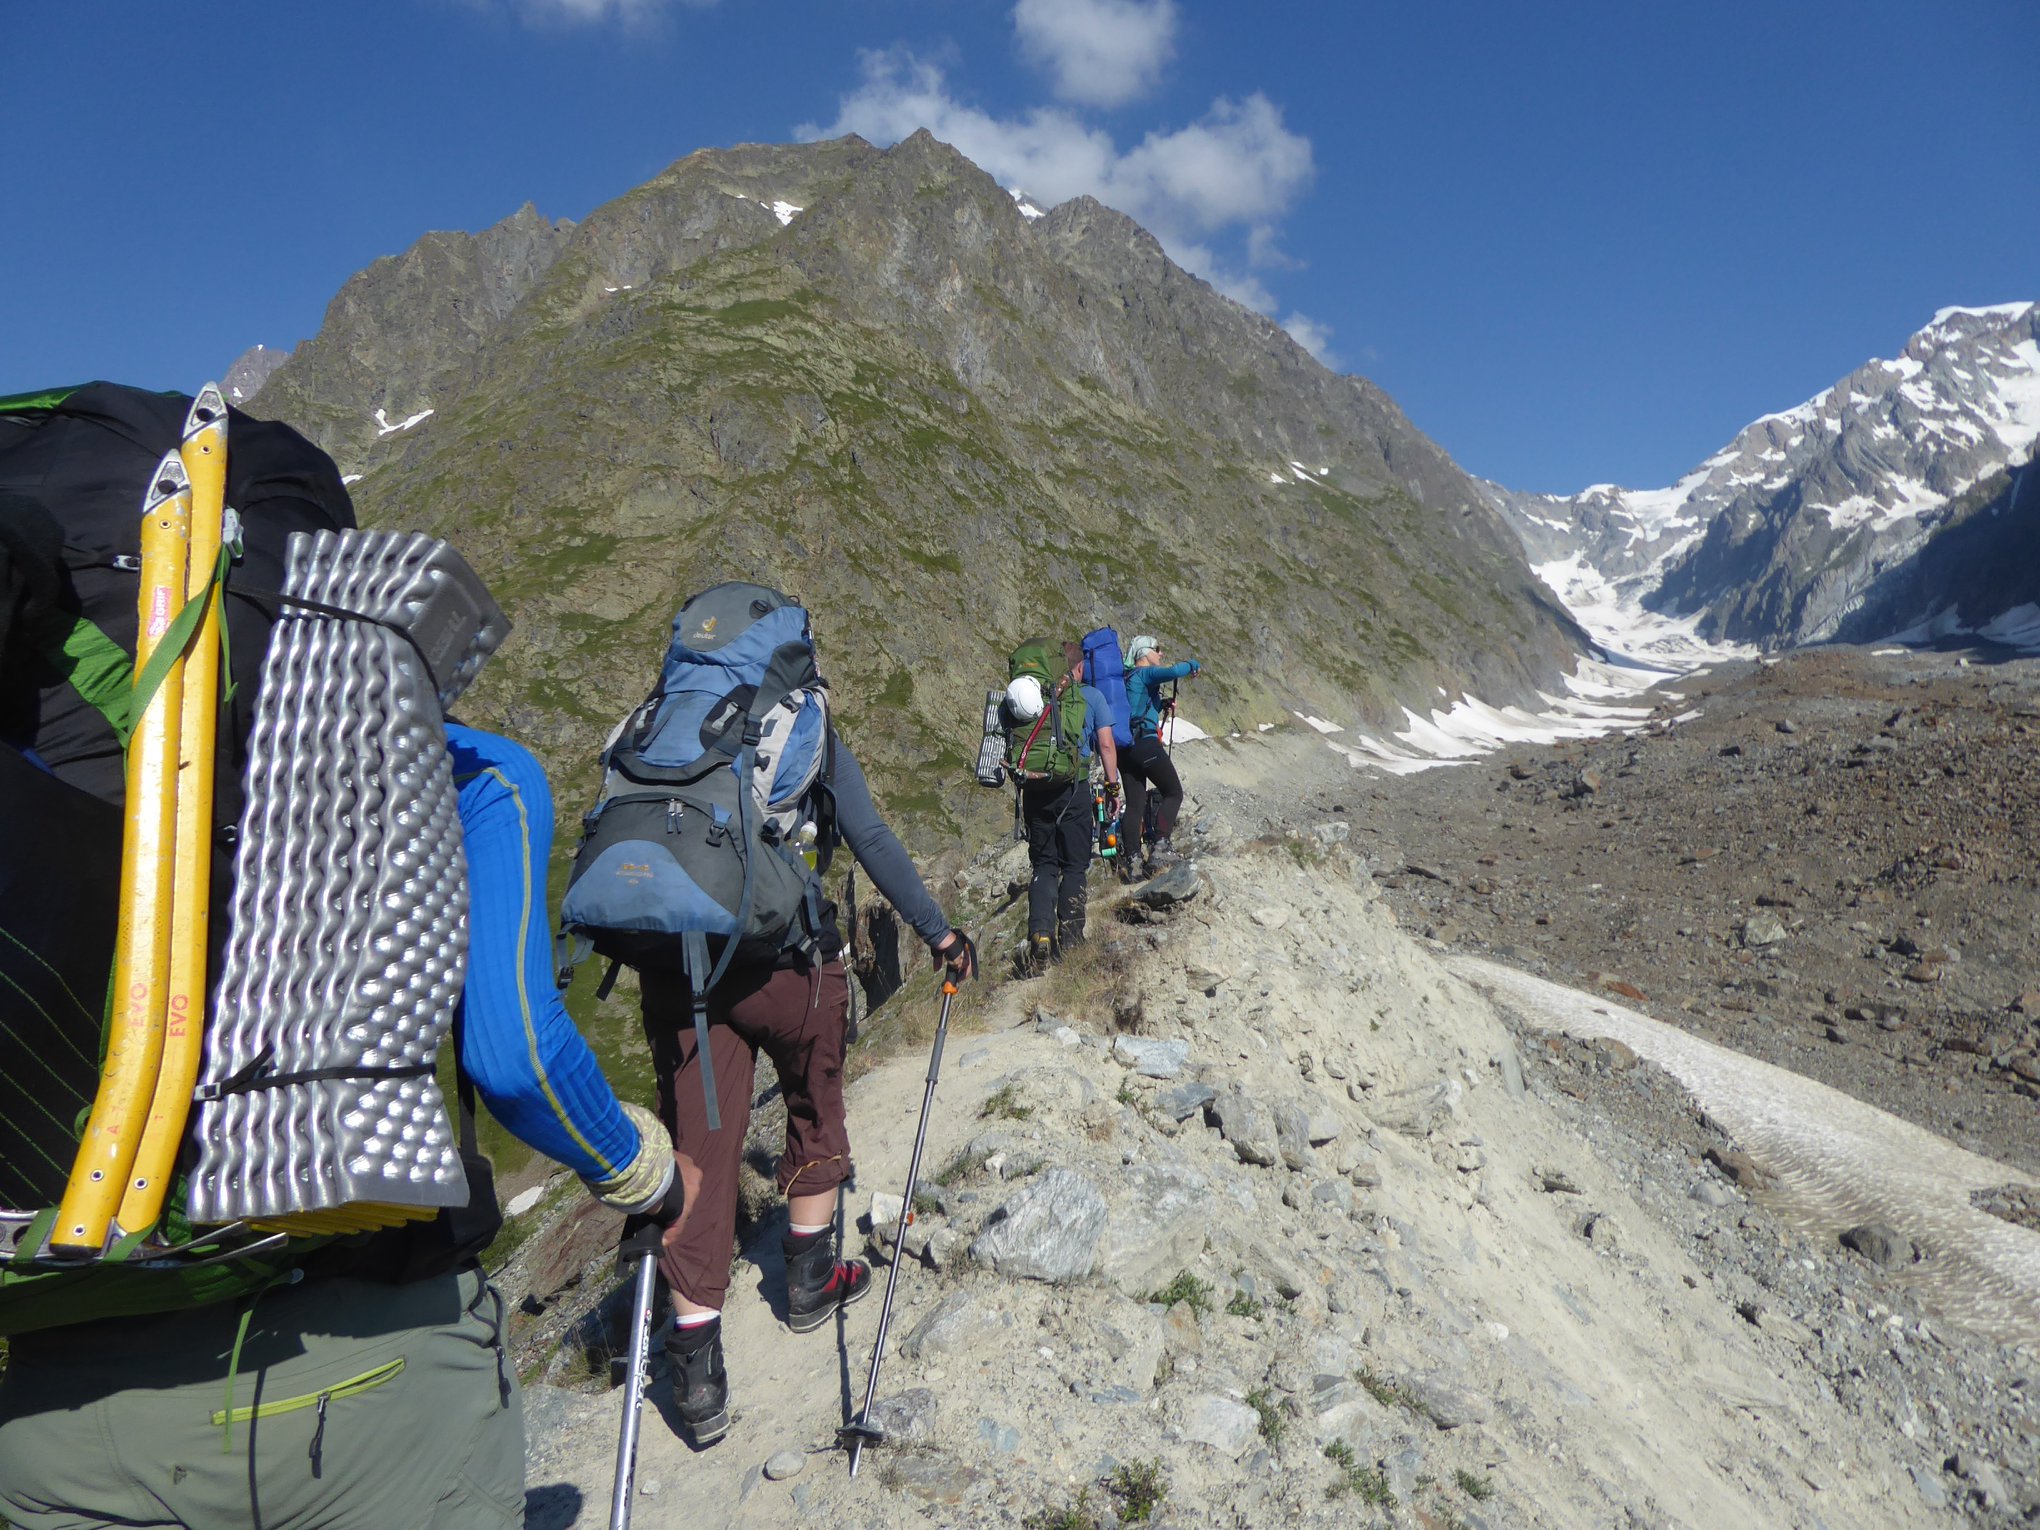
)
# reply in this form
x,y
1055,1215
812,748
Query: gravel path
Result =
x,y
1838,1161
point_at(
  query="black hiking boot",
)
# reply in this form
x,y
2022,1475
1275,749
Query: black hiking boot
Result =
x,y
1038,956
817,1282
701,1388
1162,854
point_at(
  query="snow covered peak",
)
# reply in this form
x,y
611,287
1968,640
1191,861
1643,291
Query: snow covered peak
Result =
x,y
1860,475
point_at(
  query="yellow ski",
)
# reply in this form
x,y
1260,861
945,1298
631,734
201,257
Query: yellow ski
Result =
x,y
134,1045
204,455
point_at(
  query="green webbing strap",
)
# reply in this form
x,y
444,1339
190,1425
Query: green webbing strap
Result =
x,y
176,638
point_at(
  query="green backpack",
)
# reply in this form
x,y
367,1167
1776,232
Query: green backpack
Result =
x,y
1051,746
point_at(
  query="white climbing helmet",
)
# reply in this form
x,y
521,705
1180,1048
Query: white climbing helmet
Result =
x,y
1023,698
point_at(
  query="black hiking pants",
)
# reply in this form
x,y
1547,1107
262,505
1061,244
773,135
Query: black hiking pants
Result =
x,y
1143,767
1057,815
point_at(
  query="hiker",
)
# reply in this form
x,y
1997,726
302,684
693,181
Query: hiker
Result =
x,y
1055,724
327,1380
724,677
123,1419
349,1379
1148,765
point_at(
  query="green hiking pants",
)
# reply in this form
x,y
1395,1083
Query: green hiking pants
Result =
x,y
355,1406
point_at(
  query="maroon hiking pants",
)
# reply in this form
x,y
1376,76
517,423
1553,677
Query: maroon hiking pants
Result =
x,y
796,1016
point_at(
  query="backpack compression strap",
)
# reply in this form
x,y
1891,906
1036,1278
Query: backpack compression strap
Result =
x,y
788,671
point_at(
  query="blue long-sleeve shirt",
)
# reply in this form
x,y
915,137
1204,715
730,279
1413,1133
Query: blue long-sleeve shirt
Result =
x,y
517,1042
1143,701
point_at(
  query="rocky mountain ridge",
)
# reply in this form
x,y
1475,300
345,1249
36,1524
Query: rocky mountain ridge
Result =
x,y
869,376
1816,523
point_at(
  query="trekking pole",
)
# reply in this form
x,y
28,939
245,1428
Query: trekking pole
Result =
x,y
861,1429
644,1291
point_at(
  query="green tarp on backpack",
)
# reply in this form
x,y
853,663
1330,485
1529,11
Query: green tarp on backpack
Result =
x,y
1050,747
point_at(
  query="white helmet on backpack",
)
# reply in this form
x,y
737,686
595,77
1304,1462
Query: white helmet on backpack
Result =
x,y
1023,699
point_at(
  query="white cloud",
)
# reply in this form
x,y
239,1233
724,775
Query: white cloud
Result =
x,y
1313,337
1098,52
629,13
1236,168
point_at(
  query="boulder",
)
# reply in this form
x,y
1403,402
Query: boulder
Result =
x,y
1228,1427
957,1320
1292,1136
1157,1226
1247,1124
1150,1057
1048,1232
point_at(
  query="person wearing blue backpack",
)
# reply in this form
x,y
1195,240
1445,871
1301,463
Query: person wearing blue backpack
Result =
x,y
1147,765
727,790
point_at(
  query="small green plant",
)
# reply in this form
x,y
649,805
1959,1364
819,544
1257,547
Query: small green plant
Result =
x,y
1126,1095
1273,1424
1368,1483
1185,1288
960,1168
1077,1516
1140,1489
926,1205
1004,1105
1391,1394
1480,1489
1243,1305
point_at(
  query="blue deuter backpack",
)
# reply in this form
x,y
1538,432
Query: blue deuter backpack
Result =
x,y
1105,672
691,859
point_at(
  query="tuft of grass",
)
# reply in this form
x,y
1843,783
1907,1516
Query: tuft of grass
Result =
x,y
1140,1488
960,1168
1004,1105
1126,1096
1076,1516
1480,1489
1273,1424
1243,1305
1185,1288
1137,1490
1391,1394
1368,1483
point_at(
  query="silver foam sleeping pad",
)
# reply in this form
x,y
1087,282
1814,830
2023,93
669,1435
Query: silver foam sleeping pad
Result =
x,y
347,944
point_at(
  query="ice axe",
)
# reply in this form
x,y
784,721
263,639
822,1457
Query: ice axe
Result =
x,y
860,1430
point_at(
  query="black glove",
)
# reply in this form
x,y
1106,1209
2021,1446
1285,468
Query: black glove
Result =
x,y
958,953
644,1234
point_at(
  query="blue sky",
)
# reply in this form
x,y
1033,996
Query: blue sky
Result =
x,y
1577,241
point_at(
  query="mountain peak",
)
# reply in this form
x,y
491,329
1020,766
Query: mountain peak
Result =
x,y
1800,527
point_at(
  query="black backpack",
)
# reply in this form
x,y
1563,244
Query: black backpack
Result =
x,y
74,467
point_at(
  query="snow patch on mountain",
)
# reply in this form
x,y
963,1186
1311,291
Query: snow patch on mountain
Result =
x,y
1598,700
384,426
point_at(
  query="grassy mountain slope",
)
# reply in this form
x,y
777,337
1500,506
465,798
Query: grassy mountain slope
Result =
x,y
941,426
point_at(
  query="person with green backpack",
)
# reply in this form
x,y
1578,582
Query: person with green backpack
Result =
x,y
1055,724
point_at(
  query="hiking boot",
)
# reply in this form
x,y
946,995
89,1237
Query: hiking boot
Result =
x,y
817,1282
701,1388
1038,956
1162,854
